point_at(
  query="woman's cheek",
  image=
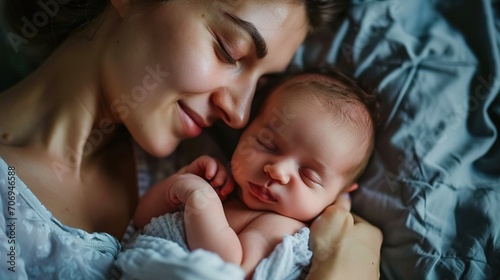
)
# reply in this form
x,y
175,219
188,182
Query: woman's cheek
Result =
x,y
197,72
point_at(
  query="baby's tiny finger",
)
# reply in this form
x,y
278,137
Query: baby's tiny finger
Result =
x,y
219,179
210,171
228,186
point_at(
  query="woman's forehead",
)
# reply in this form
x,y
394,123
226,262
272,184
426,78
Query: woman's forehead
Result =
x,y
279,9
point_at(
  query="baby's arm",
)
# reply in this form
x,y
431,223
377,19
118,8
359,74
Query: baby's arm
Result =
x,y
154,203
262,235
206,224
205,221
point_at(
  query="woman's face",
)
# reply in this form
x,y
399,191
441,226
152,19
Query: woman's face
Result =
x,y
173,69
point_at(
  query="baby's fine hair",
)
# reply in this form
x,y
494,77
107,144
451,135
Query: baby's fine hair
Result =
x,y
339,96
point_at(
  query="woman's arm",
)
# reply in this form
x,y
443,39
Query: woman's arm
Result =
x,y
344,245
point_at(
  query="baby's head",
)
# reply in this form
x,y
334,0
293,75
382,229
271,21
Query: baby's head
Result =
x,y
309,143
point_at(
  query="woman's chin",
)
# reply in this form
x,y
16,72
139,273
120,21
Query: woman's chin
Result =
x,y
159,148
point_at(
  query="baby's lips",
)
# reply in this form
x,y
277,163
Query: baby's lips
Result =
x,y
268,193
264,191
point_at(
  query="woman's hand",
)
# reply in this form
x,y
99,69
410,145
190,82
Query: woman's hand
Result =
x,y
344,245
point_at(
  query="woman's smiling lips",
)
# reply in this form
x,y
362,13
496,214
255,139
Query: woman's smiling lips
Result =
x,y
261,193
192,127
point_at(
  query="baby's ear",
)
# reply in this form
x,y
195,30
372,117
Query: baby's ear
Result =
x,y
352,188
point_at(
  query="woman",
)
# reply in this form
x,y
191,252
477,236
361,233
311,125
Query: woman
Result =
x,y
158,71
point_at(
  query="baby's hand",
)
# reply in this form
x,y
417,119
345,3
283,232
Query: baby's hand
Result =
x,y
214,173
182,187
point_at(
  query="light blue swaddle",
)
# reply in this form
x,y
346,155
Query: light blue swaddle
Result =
x,y
161,251
35,245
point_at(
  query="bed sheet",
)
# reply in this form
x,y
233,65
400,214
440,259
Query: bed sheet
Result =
x,y
433,183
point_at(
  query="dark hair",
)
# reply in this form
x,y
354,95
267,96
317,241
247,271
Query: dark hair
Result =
x,y
321,13
370,100
54,20
47,23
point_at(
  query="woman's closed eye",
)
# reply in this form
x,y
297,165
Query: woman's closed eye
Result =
x,y
223,51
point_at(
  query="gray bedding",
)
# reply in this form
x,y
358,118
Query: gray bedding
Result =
x,y
433,184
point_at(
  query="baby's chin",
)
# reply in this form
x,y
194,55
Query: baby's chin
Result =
x,y
306,219
240,196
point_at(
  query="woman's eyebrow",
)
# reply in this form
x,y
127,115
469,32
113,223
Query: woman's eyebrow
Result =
x,y
260,43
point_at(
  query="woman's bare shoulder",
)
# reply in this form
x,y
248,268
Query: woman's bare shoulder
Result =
x,y
92,198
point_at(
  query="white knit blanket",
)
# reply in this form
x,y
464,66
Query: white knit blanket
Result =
x,y
161,252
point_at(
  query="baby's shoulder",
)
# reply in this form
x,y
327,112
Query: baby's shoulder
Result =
x,y
241,218
270,222
238,215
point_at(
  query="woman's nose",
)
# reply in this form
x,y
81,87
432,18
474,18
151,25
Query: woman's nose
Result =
x,y
234,103
279,171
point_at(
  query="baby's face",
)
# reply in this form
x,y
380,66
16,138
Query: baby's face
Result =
x,y
293,159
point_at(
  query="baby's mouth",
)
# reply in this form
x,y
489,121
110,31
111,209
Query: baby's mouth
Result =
x,y
262,193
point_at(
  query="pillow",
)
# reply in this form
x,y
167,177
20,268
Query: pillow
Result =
x,y
433,183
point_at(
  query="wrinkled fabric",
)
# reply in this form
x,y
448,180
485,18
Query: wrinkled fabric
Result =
x,y
35,245
433,184
161,251
157,258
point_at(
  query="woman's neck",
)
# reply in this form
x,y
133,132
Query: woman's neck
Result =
x,y
61,108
